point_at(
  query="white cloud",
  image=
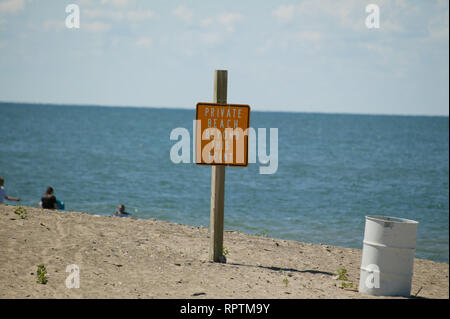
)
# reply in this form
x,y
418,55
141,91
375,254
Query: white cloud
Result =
x,y
144,42
438,27
443,4
210,38
96,27
309,36
377,48
133,16
224,19
228,19
284,13
118,3
183,13
103,14
349,14
54,25
439,33
306,42
345,14
401,3
389,25
140,15
11,6
206,22
268,44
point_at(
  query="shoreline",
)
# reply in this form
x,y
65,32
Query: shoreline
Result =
x,y
148,258
261,233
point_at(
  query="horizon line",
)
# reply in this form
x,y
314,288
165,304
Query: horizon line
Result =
x,y
193,108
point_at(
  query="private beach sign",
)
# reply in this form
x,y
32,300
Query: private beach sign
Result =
x,y
222,134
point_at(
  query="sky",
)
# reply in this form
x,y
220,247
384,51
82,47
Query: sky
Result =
x,y
301,56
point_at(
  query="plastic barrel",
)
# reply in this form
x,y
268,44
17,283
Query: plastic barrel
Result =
x,y
388,256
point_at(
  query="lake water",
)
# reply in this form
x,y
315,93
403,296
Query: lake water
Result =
x,y
333,170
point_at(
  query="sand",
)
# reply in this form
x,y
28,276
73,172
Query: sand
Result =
x,y
147,258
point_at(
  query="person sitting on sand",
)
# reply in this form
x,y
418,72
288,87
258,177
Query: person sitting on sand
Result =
x,y
3,195
48,201
121,211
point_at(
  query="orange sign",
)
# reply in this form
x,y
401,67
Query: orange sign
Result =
x,y
221,134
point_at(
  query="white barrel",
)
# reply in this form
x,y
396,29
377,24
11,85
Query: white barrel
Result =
x,y
388,256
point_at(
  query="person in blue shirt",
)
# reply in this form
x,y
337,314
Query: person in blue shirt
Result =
x,y
3,195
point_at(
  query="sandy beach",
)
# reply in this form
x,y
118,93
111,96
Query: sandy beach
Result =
x,y
147,258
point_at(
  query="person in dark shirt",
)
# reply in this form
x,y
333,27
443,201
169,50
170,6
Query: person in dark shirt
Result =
x,y
48,201
121,212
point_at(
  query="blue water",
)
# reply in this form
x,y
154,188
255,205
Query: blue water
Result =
x,y
333,171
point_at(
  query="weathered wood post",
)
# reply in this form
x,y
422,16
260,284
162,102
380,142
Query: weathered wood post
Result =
x,y
218,182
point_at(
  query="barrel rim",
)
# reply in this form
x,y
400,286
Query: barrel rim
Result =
x,y
391,219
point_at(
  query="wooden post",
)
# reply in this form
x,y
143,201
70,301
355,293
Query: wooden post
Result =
x,y
218,182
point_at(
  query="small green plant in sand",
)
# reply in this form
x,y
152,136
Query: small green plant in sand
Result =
x,y
225,251
345,284
348,285
262,233
342,274
41,274
21,211
285,282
